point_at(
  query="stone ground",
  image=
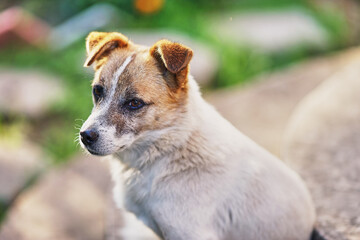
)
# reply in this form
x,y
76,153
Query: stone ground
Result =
x,y
27,92
72,202
18,165
322,143
271,31
66,203
262,109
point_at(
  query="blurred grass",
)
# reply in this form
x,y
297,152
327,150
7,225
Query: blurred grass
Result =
x,y
56,132
3,208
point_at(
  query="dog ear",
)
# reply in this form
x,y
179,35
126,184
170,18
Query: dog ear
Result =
x,y
100,43
174,57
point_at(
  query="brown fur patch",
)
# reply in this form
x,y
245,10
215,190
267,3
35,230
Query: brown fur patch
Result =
x,y
99,44
175,57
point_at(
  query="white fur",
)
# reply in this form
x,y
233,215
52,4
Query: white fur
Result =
x,y
110,143
210,182
114,84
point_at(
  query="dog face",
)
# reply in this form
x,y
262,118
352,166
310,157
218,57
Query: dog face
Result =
x,y
137,91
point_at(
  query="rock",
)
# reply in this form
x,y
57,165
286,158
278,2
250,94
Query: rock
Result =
x,y
204,64
262,109
67,203
322,144
271,31
19,163
27,92
73,202
94,18
93,169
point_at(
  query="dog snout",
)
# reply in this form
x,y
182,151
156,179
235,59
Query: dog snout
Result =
x,y
89,137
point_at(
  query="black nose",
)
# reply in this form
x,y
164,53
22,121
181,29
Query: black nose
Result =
x,y
88,137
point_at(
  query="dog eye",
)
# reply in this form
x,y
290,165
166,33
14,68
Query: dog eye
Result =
x,y
134,104
98,92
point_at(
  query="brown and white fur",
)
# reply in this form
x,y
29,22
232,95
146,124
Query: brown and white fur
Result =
x,y
189,174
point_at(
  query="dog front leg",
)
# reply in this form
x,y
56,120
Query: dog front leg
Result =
x,y
186,236
189,232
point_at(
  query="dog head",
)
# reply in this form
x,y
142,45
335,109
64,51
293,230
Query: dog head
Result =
x,y
137,91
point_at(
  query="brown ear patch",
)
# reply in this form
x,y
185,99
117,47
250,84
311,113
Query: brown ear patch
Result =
x,y
174,55
100,43
174,59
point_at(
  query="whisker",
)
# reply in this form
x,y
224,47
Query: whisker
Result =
x,y
77,140
86,152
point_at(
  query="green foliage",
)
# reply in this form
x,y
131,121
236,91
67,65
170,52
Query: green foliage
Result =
x,y
268,4
3,207
238,65
57,132
335,23
59,141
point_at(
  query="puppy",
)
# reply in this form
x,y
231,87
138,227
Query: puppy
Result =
x,y
189,174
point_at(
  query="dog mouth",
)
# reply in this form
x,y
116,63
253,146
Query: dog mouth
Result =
x,y
97,153
93,152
